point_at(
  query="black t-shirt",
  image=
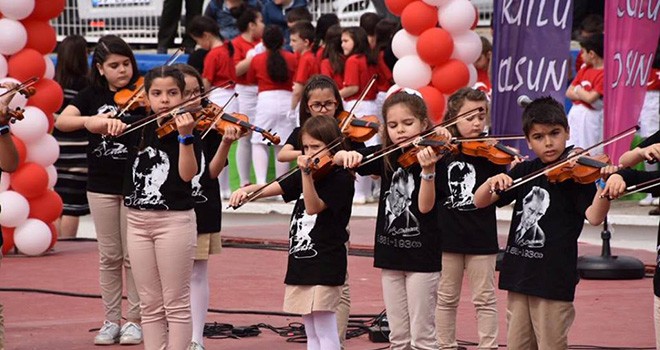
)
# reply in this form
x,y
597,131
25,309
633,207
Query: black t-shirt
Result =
x,y
206,191
464,228
406,240
541,252
294,140
317,250
106,157
152,173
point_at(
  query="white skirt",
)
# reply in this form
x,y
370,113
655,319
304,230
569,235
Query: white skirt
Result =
x,y
366,107
221,96
273,113
247,99
586,127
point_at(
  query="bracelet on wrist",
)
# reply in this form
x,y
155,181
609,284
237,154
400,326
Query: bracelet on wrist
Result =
x,y
186,139
427,177
4,129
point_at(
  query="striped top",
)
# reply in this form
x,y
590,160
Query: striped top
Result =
x,y
73,145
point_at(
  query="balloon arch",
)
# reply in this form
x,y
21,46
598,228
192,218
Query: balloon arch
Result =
x,y
29,204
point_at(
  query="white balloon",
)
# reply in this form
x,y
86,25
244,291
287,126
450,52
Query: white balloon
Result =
x,y
33,127
50,67
32,237
467,47
438,3
404,44
3,66
16,9
411,72
15,209
19,100
4,181
473,75
14,36
52,176
43,151
457,16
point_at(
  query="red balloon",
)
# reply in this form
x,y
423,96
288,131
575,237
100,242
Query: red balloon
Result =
x,y
53,232
8,239
26,64
47,207
435,46
450,76
20,148
418,17
30,180
476,18
397,6
51,123
47,9
40,36
49,96
435,102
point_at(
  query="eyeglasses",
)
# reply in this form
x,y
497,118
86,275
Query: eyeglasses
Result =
x,y
318,107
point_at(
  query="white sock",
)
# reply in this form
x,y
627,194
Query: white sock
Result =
x,y
260,161
281,167
323,326
243,159
199,299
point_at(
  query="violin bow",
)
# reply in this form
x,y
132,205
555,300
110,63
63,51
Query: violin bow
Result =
x,y
642,186
487,138
347,121
217,116
170,112
23,85
529,177
255,194
418,137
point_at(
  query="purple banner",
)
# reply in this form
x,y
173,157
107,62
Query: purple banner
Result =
x,y
531,57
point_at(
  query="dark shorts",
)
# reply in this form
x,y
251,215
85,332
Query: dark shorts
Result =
x,y
72,187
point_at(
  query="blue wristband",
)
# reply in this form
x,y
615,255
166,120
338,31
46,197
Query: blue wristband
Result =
x,y
600,183
186,139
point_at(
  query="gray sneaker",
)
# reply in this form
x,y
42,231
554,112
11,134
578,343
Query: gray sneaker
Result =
x,y
108,335
195,346
131,334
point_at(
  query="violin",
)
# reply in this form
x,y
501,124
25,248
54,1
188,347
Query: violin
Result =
x,y
358,130
496,153
409,157
321,166
586,170
25,88
132,96
170,126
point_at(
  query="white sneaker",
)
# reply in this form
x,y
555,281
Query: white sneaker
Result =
x,y
196,346
648,200
131,334
108,335
357,199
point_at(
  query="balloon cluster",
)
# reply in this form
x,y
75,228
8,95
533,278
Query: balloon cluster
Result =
x,y
27,200
436,48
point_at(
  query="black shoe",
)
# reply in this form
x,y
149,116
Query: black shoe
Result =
x,y
655,211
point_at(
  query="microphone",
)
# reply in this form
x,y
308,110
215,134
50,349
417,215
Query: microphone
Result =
x,y
523,101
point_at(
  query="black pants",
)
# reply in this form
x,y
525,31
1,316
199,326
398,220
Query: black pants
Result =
x,y
169,20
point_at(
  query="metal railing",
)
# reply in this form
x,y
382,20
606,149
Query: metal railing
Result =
x,y
137,21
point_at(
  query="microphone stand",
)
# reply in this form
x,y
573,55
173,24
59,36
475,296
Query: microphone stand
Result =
x,y
608,266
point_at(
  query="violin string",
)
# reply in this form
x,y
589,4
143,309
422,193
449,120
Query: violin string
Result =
x,y
255,194
360,99
385,151
219,115
522,180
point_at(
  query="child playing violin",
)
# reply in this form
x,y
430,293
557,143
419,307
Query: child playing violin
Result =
x,y
469,235
206,194
539,268
8,163
113,69
316,268
407,244
161,246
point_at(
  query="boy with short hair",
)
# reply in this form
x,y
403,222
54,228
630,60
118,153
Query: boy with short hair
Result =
x,y
302,39
298,14
539,268
585,118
